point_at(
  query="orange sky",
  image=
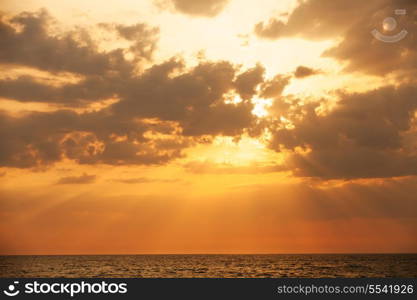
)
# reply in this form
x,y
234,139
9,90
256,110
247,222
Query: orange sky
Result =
x,y
215,126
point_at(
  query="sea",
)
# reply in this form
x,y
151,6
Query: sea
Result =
x,y
211,266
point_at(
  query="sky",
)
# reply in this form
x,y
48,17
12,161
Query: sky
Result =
x,y
207,126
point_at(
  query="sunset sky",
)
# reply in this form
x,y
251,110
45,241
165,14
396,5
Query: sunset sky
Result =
x,y
207,126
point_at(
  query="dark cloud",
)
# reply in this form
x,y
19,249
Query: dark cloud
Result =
x,y
82,179
353,21
274,87
221,119
157,112
184,107
199,8
318,19
366,135
40,139
362,52
28,40
195,99
144,38
168,107
159,94
247,82
34,45
27,89
302,72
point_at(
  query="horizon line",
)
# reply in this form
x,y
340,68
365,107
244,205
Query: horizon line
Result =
x,y
237,253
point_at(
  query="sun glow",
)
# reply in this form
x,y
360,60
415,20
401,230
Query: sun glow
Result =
x,y
210,143
261,107
246,151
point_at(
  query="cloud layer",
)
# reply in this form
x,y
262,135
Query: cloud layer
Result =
x,y
158,110
353,21
368,134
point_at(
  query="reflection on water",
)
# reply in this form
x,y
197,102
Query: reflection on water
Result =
x,y
280,265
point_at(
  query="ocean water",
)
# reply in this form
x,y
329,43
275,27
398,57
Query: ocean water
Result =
x,y
214,266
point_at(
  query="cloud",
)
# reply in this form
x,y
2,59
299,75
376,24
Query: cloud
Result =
x,y
302,72
198,8
194,98
318,19
184,107
144,38
168,107
367,134
360,51
352,22
247,82
156,113
82,179
30,41
27,89
75,51
274,87
40,139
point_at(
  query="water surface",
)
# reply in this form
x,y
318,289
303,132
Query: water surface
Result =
x,y
218,266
